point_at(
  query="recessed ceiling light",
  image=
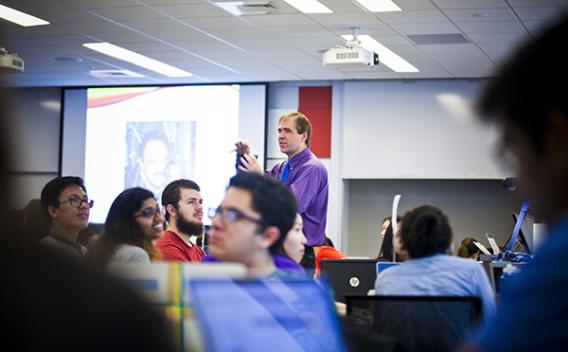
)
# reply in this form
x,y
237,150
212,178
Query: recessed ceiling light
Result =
x,y
386,56
19,17
379,5
479,14
137,59
309,6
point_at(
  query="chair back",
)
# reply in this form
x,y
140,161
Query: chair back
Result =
x,y
420,323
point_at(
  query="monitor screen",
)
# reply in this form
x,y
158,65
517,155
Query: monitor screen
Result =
x,y
122,137
265,316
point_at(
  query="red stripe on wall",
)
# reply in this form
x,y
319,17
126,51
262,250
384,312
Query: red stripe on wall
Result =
x,y
315,103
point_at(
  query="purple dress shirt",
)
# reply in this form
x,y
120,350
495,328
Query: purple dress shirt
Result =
x,y
308,180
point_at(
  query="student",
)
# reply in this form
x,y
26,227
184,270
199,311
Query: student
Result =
x,y
66,205
293,250
251,223
426,235
386,237
35,224
133,221
303,173
89,236
327,251
183,206
468,249
528,102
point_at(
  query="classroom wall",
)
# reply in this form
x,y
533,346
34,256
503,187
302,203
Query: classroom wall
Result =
x,y
357,204
35,137
474,207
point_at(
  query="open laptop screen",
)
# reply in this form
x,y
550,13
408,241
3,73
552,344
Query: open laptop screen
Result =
x,y
265,316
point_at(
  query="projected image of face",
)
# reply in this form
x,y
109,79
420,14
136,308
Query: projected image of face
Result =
x,y
154,163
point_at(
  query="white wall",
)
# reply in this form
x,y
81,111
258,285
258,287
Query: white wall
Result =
x,y
416,130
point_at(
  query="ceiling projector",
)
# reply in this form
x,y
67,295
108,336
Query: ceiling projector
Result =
x,y
350,57
10,62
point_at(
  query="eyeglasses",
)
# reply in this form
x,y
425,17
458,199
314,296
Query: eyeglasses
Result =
x,y
231,215
149,212
77,202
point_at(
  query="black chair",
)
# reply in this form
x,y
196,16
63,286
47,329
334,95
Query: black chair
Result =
x,y
420,323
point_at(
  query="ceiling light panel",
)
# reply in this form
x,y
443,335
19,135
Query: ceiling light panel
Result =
x,y
379,5
137,59
21,18
309,6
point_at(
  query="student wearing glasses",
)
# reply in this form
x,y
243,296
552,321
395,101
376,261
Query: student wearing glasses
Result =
x,y
251,223
133,222
66,205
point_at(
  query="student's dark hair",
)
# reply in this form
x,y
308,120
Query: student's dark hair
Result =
x,y
274,202
91,230
525,91
172,194
52,191
328,242
121,226
385,252
467,248
425,231
35,222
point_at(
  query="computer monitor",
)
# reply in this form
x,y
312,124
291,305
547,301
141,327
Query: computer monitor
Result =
x,y
261,315
349,276
518,236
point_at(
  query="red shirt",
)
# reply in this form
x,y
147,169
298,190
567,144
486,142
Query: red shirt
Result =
x,y
326,252
174,248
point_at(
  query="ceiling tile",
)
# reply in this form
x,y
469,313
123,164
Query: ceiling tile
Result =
x,y
422,16
348,19
491,27
193,10
535,27
535,3
481,15
541,13
484,38
129,13
469,4
425,28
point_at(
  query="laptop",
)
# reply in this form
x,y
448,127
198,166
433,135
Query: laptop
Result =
x,y
260,315
349,276
164,282
385,265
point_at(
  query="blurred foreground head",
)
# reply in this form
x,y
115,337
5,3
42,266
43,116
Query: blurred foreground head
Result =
x,y
52,303
528,101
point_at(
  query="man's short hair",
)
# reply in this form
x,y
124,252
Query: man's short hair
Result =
x,y
172,194
52,191
303,124
274,202
526,90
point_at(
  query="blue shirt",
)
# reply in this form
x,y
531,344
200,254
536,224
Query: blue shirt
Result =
x,y
438,275
307,178
533,310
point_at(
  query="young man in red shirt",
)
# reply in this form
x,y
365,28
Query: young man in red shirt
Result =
x,y
184,213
